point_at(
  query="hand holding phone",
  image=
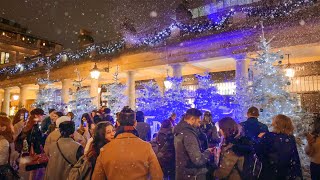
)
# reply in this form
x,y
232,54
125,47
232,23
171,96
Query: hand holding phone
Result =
x,y
85,124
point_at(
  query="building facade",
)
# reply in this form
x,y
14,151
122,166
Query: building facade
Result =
x,y
225,53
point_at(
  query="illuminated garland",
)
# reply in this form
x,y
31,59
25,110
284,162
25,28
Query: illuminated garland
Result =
x,y
105,49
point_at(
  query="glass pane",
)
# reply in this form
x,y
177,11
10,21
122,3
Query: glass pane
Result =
x,y
2,58
7,58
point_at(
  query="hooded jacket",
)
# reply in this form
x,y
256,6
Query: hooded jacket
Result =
x,y
190,162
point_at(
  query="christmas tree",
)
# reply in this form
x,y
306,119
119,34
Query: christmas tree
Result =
x,y
150,100
175,98
116,97
207,97
82,102
49,97
267,88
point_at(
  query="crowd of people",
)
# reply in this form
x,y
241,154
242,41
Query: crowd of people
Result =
x,y
51,148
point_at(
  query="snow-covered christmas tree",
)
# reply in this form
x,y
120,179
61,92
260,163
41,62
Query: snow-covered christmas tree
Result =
x,y
49,97
116,97
207,98
175,98
82,102
267,88
150,100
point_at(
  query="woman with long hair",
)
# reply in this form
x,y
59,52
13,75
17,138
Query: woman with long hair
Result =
x,y
86,127
207,126
234,148
19,120
313,149
6,138
278,151
104,133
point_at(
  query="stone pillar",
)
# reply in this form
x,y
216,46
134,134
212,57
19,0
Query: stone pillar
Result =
x,y
6,101
94,91
241,72
1,98
66,85
241,86
160,83
23,96
177,70
131,90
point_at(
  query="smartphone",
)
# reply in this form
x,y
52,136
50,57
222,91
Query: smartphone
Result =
x,y
26,116
85,124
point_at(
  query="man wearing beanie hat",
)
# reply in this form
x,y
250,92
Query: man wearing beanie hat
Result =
x,y
127,153
55,135
252,127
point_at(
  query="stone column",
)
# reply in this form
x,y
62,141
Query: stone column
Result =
x,y
241,86
131,90
6,101
23,96
66,85
1,98
241,72
94,91
177,70
160,83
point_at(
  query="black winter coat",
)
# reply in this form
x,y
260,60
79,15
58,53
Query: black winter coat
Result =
x,y
279,156
252,128
166,152
211,131
34,136
190,162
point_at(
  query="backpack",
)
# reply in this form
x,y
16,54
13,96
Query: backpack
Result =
x,y
252,167
166,155
82,170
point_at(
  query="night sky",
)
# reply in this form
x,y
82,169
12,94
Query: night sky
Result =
x,y
61,20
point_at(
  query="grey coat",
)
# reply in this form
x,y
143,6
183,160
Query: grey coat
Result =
x,y
190,162
58,167
144,131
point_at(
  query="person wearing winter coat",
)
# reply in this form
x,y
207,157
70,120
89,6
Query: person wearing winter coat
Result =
x,y
313,150
19,120
55,135
278,152
171,119
86,126
35,139
63,154
207,126
127,157
166,152
234,148
252,127
142,127
6,138
48,120
190,161
103,134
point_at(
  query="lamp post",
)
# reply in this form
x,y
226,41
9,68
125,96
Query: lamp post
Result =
x,y
289,70
95,72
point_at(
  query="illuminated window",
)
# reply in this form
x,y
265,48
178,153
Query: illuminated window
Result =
x,y
4,58
226,88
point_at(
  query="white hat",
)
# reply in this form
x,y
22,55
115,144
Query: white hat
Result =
x,y
61,120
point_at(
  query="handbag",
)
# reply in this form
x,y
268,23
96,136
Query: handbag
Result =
x,y
36,160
